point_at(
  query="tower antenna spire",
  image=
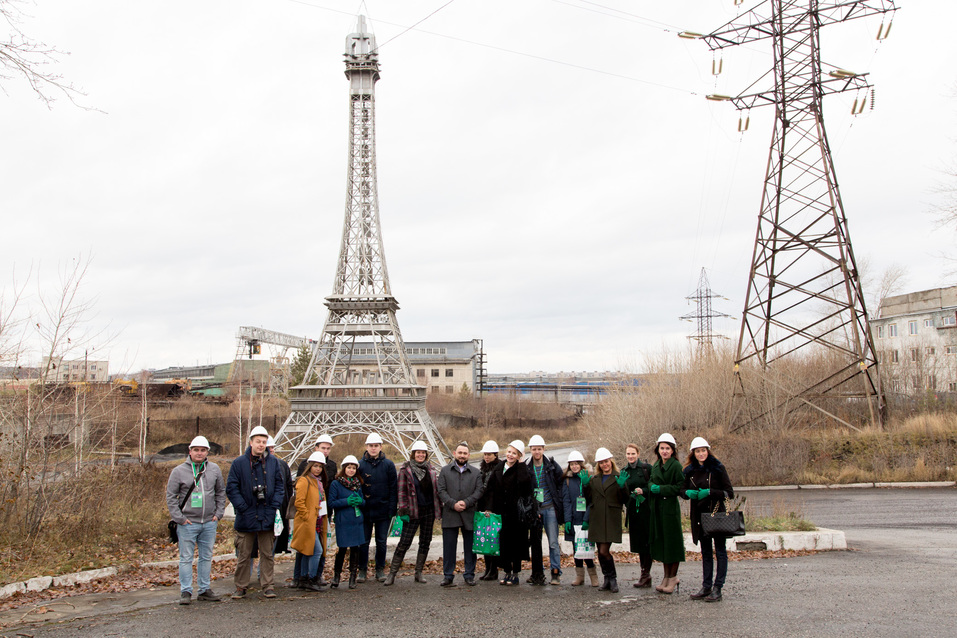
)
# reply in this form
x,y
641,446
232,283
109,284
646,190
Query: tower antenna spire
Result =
x,y
359,380
804,291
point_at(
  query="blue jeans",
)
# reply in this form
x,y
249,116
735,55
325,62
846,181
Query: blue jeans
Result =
x,y
311,562
450,542
550,524
707,560
203,536
381,534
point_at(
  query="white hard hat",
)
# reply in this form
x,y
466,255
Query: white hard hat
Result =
x,y
667,438
258,431
576,456
318,457
697,442
270,442
518,445
350,460
419,445
536,440
602,454
324,438
490,447
199,441
373,438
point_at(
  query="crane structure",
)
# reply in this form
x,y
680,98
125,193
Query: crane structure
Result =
x,y
704,315
249,342
340,395
804,291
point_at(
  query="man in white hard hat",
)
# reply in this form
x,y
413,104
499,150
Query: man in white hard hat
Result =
x,y
196,498
323,444
255,488
546,482
381,491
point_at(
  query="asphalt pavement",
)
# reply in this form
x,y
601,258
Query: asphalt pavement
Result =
x,y
899,577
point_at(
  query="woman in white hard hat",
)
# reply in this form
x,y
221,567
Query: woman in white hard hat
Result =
x,y
309,525
490,462
606,496
576,512
510,495
637,512
706,486
347,501
419,506
666,538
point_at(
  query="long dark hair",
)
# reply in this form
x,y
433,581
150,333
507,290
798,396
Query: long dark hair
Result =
x,y
308,470
674,450
358,474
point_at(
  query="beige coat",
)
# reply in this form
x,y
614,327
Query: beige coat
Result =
x,y
308,497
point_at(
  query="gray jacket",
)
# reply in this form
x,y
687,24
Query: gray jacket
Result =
x,y
210,482
455,486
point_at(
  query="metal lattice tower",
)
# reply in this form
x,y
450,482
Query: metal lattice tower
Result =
x,y
249,342
804,291
340,395
704,314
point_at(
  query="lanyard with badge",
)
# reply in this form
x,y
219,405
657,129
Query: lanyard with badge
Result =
x,y
539,492
196,498
580,505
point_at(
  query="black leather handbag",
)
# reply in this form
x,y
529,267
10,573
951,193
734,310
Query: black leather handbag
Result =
x,y
722,523
171,525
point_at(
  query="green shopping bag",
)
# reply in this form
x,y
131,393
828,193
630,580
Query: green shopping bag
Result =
x,y
485,537
396,530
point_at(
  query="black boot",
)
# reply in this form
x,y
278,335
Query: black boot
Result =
x,y
335,579
702,593
613,585
714,596
605,584
419,566
312,584
353,572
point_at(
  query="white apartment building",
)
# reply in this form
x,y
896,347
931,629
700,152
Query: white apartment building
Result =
x,y
78,370
916,341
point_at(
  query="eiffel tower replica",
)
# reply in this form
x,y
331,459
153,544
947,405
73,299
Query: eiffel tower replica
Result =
x,y
359,380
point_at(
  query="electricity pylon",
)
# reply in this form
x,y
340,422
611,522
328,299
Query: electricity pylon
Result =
x,y
704,315
804,291
338,395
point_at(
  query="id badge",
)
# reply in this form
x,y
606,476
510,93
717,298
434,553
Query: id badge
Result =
x,y
322,508
196,499
540,494
580,504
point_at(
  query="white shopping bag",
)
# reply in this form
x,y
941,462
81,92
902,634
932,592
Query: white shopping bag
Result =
x,y
583,549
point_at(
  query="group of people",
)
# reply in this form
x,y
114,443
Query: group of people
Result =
x,y
364,499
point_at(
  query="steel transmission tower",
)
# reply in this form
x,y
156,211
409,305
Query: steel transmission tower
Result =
x,y
804,293
704,314
376,392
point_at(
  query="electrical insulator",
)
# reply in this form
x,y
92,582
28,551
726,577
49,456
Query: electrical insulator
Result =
x,y
717,66
743,124
882,33
872,100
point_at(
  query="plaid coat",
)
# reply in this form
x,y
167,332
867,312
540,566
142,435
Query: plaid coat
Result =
x,y
408,501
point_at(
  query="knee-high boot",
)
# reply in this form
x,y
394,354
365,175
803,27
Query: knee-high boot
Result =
x,y
419,566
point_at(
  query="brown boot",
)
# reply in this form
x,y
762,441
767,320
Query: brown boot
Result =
x,y
419,566
644,580
579,577
593,575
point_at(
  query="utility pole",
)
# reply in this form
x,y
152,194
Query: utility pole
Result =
x,y
339,396
804,291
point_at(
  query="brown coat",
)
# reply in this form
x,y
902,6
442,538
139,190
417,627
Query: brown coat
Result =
x,y
309,495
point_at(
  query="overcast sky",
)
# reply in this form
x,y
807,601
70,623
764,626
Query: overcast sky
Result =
x,y
551,178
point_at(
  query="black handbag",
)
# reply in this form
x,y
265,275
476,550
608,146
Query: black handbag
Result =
x,y
171,525
528,512
722,523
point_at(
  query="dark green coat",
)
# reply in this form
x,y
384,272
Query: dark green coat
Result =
x,y
637,520
605,503
666,540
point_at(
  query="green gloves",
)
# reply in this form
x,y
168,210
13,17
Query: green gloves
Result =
x,y
404,519
568,527
622,479
703,493
354,499
583,476
692,494
585,526
639,499
655,489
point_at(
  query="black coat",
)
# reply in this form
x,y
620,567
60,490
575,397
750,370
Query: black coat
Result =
x,y
638,517
504,490
486,469
710,475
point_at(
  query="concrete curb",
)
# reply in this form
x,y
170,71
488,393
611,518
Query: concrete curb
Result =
x,y
848,486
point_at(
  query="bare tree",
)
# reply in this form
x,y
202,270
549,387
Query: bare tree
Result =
x,y
23,58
